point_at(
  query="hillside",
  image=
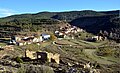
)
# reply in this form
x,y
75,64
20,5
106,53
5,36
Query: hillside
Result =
x,y
91,21
95,24
68,16
75,53
39,21
111,12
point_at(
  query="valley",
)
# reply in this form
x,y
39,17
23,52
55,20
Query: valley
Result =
x,y
60,42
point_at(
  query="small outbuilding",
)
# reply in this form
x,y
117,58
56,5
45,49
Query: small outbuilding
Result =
x,y
45,36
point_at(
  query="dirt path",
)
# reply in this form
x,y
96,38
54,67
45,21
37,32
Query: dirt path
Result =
x,y
90,54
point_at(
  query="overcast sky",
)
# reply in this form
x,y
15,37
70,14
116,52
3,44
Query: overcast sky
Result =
x,y
11,7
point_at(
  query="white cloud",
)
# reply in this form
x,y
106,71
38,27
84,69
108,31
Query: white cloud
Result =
x,y
6,12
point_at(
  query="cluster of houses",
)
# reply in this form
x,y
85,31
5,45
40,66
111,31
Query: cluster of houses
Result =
x,y
96,38
26,40
67,30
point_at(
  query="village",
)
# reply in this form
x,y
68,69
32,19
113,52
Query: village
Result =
x,y
66,34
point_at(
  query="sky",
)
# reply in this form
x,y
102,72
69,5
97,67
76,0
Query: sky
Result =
x,y
11,7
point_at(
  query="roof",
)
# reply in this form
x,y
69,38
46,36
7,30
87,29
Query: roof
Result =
x,y
44,34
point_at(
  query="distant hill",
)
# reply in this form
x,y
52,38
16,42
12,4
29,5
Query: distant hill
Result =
x,y
111,12
94,23
68,16
108,24
32,22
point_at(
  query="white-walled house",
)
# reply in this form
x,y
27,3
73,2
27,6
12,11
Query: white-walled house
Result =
x,y
25,40
13,41
16,38
20,43
45,36
40,39
79,30
95,37
61,33
56,32
100,38
29,43
35,40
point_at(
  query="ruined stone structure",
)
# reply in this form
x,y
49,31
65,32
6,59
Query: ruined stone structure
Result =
x,y
54,57
31,54
43,56
87,65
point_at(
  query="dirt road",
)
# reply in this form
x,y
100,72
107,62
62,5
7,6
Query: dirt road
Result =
x,y
90,53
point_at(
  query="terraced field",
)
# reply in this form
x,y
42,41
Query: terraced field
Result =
x,y
91,54
88,54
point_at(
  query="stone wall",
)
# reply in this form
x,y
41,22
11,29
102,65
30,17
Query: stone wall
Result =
x,y
45,56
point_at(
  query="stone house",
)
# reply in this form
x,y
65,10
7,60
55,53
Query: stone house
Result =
x,y
98,38
16,38
24,40
39,39
54,57
45,36
30,54
43,56
21,43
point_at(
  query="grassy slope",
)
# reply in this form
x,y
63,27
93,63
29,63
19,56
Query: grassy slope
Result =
x,y
90,54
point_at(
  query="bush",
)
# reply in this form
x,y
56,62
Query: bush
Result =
x,y
21,70
53,37
19,60
35,69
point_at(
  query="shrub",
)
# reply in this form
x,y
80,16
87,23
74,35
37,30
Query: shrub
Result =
x,y
19,60
53,37
35,69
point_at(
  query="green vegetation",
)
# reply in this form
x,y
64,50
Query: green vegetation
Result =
x,y
72,51
89,20
32,47
52,37
2,44
19,60
107,24
91,54
109,51
35,69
